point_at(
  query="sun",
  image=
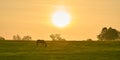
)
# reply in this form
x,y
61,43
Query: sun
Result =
x,y
61,19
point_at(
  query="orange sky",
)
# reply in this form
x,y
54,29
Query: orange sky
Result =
x,y
33,17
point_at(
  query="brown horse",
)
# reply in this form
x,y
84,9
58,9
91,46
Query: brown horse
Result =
x,y
41,42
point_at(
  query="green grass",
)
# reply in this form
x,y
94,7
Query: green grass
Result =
x,y
69,50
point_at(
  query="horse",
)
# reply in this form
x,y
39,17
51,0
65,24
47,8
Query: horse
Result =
x,y
42,42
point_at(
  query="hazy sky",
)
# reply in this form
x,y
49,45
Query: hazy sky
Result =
x,y
33,17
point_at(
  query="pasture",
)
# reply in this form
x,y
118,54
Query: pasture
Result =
x,y
67,50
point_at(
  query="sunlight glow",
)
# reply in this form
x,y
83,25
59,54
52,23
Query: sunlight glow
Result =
x,y
61,19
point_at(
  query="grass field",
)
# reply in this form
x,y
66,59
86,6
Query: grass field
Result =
x,y
68,50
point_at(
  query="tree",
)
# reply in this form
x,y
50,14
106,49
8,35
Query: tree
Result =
x,y
2,38
103,32
57,37
27,38
52,36
16,37
108,34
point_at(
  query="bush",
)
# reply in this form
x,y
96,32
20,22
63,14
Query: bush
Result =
x,y
27,38
89,40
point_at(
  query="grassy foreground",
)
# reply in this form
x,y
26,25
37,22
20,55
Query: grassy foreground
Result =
x,y
69,50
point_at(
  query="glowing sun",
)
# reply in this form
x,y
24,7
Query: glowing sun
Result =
x,y
61,19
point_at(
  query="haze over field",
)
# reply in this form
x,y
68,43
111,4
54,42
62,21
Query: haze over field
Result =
x,y
34,17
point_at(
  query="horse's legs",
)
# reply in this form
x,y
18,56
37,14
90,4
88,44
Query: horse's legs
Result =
x,y
45,44
36,43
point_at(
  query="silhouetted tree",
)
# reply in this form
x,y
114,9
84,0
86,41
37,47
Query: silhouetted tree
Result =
x,y
27,38
101,36
2,38
57,37
16,37
52,36
108,34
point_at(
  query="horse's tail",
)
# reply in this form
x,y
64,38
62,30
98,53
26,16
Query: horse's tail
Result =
x,y
37,43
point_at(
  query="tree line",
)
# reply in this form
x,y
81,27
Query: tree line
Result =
x,y
17,37
106,34
54,37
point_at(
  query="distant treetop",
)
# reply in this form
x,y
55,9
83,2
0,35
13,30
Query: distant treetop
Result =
x,y
109,34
